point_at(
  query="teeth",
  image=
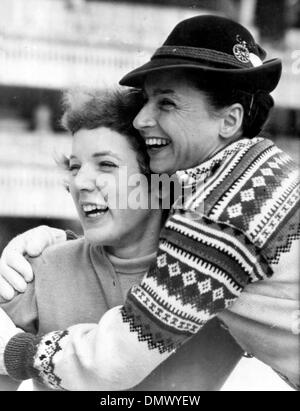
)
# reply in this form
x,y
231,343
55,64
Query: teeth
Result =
x,y
96,214
91,207
156,141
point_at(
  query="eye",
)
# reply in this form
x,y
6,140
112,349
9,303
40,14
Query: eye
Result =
x,y
166,104
73,168
107,165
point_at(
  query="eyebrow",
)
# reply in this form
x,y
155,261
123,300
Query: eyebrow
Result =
x,y
163,91
101,154
157,91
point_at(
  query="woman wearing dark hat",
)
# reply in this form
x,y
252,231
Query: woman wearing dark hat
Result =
x,y
230,249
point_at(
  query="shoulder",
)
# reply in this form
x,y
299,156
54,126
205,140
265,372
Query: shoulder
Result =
x,y
60,255
258,186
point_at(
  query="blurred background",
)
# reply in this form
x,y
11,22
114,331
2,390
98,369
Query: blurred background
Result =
x,y
47,46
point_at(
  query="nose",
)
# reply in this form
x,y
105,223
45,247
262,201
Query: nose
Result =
x,y
85,179
145,118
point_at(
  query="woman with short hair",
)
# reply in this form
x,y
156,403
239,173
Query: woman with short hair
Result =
x,y
231,248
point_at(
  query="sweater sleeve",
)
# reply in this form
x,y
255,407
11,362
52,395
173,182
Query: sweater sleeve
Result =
x,y
22,309
202,267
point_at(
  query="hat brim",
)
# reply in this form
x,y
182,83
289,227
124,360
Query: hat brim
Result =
x,y
264,77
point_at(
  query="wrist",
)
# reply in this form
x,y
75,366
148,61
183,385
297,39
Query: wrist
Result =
x,y
18,356
3,344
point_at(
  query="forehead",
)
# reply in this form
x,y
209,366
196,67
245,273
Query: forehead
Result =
x,y
174,82
100,139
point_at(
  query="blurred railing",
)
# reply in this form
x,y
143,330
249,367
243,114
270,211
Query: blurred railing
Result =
x,y
287,94
59,44
32,63
31,184
91,22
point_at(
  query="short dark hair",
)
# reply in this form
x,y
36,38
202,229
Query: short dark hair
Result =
x,y
256,105
114,109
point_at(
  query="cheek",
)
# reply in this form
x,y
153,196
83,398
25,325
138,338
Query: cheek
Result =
x,y
126,223
73,192
108,187
199,131
176,127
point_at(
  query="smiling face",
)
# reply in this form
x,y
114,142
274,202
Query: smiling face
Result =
x,y
177,124
102,158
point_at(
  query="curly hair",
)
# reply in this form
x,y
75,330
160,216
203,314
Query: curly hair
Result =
x,y
114,109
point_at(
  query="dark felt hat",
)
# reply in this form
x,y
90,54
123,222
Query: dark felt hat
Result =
x,y
220,50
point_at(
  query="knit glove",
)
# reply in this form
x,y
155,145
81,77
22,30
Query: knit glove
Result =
x,y
7,331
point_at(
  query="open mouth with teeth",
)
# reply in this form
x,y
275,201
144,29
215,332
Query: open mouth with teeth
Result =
x,y
94,210
156,143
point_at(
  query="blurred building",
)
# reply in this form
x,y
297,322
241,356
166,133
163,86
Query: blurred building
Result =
x,y
47,46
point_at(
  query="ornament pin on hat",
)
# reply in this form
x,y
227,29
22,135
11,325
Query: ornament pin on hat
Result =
x,y
242,54
241,51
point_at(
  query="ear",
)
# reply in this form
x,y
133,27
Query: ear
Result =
x,y
231,122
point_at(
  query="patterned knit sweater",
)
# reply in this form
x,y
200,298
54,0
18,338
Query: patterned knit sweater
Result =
x,y
235,227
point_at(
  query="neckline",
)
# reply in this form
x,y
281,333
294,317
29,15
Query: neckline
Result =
x,y
205,169
131,265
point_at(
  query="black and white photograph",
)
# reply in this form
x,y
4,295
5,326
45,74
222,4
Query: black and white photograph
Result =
x,y
149,198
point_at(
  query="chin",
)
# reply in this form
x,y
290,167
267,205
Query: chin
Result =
x,y
95,238
160,168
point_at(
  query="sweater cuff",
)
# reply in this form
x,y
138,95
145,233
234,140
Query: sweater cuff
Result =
x,y
19,356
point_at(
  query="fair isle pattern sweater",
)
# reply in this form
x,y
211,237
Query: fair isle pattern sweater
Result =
x,y
243,216
240,218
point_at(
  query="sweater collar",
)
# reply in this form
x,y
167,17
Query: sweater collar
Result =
x,y
131,265
207,168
